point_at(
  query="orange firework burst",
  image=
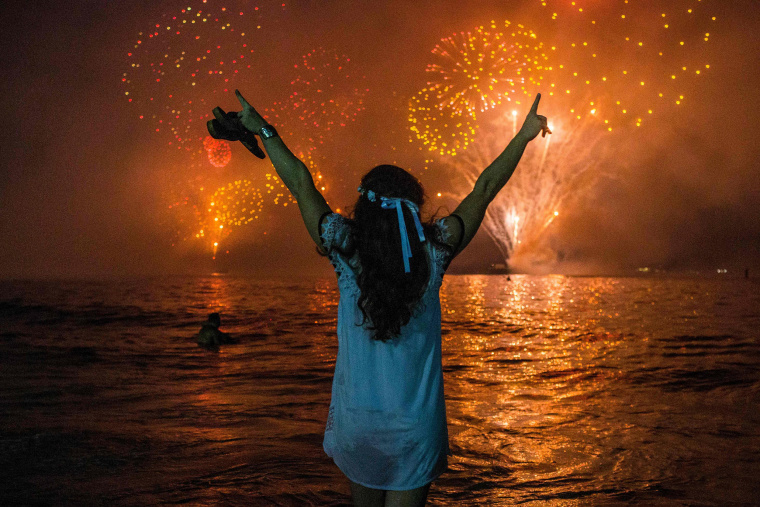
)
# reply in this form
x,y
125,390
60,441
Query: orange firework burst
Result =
x,y
476,70
444,131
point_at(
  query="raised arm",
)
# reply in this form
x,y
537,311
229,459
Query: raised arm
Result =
x,y
472,209
291,170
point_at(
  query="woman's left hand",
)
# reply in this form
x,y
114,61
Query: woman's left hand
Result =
x,y
535,123
249,117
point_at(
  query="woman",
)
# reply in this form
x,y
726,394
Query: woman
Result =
x,y
386,428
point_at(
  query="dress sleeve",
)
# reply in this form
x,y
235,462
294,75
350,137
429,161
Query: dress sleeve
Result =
x,y
443,255
335,232
443,231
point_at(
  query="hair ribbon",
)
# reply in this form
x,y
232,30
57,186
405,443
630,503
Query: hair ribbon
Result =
x,y
398,203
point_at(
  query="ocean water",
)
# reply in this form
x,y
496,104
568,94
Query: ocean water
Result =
x,y
559,391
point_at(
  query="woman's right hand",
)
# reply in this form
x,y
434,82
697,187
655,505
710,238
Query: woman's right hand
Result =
x,y
534,122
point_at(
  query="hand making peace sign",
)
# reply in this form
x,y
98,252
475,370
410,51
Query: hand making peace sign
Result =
x,y
534,122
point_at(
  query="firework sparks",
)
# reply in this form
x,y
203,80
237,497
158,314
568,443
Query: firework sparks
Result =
x,y
476,71
550,177
480,69
324,95
185,64
444,131
218,151
608,67
186,61
627,65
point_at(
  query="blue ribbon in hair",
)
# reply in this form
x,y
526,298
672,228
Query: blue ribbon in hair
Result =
x,y
398,203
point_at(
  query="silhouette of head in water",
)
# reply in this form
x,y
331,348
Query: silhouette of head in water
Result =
x,y
214,319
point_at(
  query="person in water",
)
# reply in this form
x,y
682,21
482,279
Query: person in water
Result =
x,y
209,336
386,425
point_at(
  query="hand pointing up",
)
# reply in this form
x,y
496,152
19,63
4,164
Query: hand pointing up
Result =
x,y
534,122
249,117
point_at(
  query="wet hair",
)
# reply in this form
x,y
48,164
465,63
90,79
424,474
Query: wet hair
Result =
x,y
389,296
214,319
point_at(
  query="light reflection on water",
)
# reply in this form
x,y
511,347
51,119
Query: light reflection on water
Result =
x,y
580,389
560,391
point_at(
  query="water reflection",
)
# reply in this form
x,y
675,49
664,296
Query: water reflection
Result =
x,y
215,293
323,308
527,390
559,391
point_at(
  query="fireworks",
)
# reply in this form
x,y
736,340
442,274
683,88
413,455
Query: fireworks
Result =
x,y
599,66
218,151
445,131
621,65
184,63
240,202
551,174
602,66
323,95
208,213
178,70
189,62
476,70
627,64
237,203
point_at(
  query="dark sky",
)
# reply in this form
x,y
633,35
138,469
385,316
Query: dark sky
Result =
x,y
84,187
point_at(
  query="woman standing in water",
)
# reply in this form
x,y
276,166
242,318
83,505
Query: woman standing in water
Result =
x,y
386,428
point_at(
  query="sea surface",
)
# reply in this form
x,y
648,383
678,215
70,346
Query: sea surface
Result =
x,y
559,390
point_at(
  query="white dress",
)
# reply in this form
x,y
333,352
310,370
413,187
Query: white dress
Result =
x,y
386,428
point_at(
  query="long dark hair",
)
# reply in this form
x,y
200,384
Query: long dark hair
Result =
x,y
389,296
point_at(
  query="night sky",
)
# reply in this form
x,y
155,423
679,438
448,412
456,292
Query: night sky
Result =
x,y
92,189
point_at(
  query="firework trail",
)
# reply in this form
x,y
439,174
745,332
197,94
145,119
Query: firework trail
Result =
x,y
549,178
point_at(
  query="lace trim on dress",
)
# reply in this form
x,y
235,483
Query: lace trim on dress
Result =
x,y
443,230
441,254
333,227
336,236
